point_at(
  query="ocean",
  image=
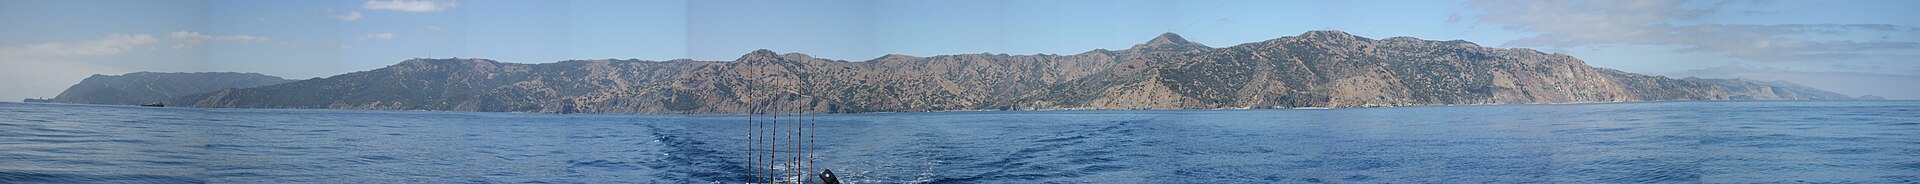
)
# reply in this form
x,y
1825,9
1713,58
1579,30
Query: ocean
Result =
x,y
1642,142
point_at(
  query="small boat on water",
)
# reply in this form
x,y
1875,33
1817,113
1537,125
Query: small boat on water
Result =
x,y
36,100
153,104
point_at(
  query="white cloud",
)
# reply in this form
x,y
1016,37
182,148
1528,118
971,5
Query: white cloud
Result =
x,y
436,29
188,39
197,37
350,16
410,5
111,44
379,37
116,43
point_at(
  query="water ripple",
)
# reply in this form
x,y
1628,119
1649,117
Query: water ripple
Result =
x,y
1654,142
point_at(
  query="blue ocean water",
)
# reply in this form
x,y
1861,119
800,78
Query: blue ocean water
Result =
x,y
1652,142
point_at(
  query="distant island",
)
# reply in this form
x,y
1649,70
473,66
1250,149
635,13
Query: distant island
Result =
x,y
149,87
1314,69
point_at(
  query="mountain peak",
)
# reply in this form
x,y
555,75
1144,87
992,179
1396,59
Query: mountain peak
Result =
x,y
1328,34
1169,38
1169,41
762,52
415,62
759,55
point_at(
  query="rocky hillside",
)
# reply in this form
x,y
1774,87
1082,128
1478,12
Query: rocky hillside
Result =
x,y
144,87
1314,69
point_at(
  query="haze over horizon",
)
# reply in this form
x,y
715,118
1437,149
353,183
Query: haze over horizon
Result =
x,y
1851,47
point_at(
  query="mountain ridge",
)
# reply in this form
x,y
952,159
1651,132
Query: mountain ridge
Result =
x,y
144,87
1324,68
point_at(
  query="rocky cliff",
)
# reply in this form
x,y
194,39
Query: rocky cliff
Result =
x,y
144,87
1313,69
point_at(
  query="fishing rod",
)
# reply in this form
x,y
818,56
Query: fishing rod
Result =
x,y
786,161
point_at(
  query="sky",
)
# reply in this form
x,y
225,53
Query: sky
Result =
x,y
1851,47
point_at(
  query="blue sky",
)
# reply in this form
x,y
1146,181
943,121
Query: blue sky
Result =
x,y
1852,47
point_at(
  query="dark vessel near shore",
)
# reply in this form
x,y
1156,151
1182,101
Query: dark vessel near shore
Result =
x,y
153,104
36,100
